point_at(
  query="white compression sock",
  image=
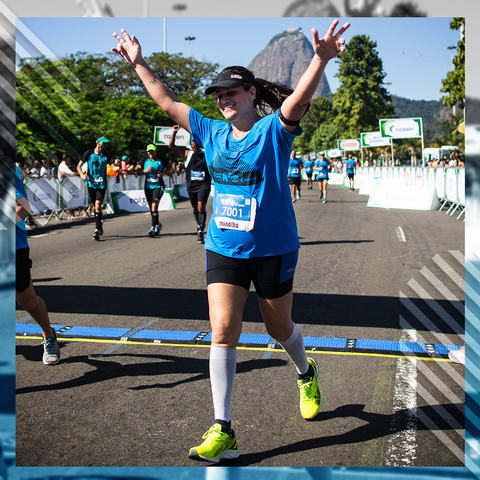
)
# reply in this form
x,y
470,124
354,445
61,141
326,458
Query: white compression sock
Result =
x,y
295,349
223,362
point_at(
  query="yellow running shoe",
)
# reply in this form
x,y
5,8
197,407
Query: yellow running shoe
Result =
x,y
217,445
310,395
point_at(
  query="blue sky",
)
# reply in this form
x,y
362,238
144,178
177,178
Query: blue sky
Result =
x,y
414,50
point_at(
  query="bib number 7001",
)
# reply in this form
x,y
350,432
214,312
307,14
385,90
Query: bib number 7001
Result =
x,y
235,212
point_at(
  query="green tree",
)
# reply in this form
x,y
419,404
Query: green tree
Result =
x,y
445,131
454,83
65,105
320,113
324,138
362,99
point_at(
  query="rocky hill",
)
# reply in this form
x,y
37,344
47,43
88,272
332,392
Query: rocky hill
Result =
x,y
288,55
284,60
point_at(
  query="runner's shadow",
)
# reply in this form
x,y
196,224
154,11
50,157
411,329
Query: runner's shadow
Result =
x,y
161,365
377,426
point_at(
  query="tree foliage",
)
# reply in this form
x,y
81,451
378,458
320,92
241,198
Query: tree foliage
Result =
x,y
454,83
65,105
362,99
319,114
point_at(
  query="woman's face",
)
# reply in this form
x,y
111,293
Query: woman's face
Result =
x,y
235,102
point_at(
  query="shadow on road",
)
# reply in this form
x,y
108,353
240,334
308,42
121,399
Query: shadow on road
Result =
x,y
108,367
308,308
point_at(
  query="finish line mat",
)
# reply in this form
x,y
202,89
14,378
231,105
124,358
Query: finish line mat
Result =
x,y
333,344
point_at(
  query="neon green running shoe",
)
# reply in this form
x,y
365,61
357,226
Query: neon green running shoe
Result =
x,y
217,445
310,395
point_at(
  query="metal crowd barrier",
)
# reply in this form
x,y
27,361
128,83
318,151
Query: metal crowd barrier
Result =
x,y
52,198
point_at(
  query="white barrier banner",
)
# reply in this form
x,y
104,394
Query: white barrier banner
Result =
x,y
403,197
451,185
72,192
42,194
440,182
461,187
133,182
431,178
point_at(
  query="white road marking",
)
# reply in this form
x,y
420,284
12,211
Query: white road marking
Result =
x,y
401,235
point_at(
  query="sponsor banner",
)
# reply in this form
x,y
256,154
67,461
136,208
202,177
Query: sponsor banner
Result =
x,y
181,191
42,194
351,144
401,127
333,153
131,201
72,192
162,135
374,139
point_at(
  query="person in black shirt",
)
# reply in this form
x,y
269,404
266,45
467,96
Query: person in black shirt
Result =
x,y
198,180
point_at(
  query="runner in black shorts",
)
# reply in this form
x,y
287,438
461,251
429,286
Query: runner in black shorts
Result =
x,y
253,226
154,187
96,179
198,181
25,293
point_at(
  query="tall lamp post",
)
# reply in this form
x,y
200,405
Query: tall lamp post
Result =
x,y
189,39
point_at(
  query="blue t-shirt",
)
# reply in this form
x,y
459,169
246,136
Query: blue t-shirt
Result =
x,y
252,205
294,167
97,169
323,166
350,164
309,166
21,240
152,179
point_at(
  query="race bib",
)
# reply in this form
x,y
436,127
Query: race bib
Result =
x,y
294,171
197,176
235,212
153,179
97,180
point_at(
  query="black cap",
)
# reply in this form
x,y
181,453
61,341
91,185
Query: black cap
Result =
x,y
229,80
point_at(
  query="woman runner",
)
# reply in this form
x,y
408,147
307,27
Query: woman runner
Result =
x,y
252,236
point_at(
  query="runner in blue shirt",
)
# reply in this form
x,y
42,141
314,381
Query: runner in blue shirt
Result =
x,y
24,292
323,166
309,164
295,176
96,179
252,236
351,165
154,187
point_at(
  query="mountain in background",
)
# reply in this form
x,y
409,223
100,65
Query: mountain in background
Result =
x,y
285,59
287,56
429,111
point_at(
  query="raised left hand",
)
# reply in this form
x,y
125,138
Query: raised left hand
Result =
x,y
331,44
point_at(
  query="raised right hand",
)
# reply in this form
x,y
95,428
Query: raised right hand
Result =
x,y
128,48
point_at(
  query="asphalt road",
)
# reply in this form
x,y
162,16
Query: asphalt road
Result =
x,y
111,404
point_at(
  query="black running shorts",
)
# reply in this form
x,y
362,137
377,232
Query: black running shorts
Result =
x,y
96,194
23,264
199,195
295,181
271,276
153,194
